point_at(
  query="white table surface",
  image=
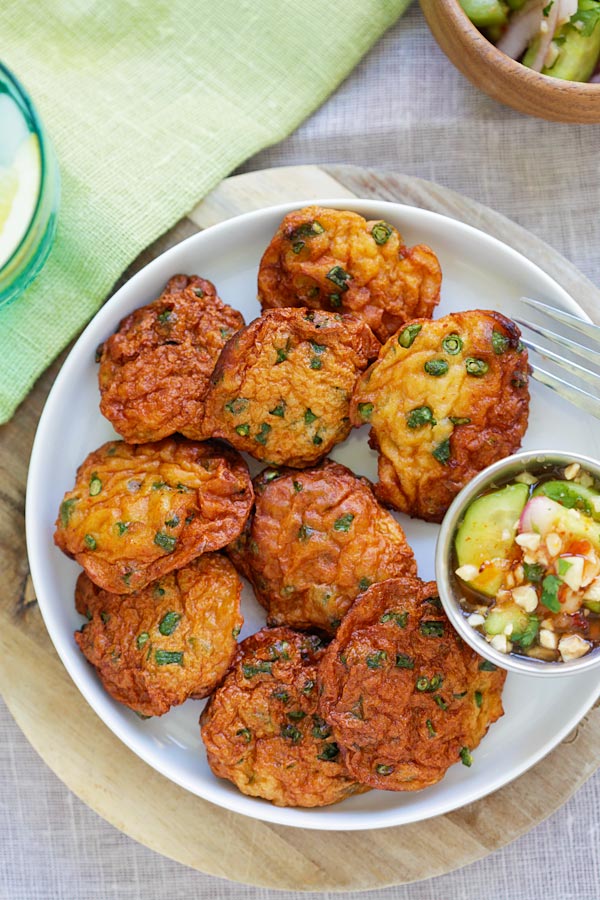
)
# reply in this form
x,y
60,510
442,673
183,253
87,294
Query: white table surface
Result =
x,y
405,108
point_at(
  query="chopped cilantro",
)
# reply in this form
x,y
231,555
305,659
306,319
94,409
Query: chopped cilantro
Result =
x,y
550,587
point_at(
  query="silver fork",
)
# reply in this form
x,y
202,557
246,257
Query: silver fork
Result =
x,y
576,395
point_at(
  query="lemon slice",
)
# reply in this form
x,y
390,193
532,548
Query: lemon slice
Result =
x,y
19,188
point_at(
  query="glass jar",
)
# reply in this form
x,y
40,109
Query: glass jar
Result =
x,y
29,190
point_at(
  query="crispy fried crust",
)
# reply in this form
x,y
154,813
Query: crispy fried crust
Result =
x,y
137,512
154,370
335,260
281,388
316,540
425,457
402,692
172,640
261,728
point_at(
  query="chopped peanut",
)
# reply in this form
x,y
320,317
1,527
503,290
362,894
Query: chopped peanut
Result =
x,y
528,540
500,642
526,597
553,543
467,573
572,647
548,639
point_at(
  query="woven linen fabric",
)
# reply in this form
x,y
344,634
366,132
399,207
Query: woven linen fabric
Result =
x,y
405,108
149,105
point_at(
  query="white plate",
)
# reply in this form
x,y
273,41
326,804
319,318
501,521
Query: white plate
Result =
x,y
479,272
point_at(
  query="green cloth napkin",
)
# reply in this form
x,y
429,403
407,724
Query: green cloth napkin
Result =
x,y
150,103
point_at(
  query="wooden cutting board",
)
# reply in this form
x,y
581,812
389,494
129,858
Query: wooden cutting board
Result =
x,y
107,776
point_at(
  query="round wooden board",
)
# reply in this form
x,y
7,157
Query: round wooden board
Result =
x,y
94,764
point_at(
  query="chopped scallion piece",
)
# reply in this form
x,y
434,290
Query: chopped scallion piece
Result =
x,y
339,277
442,452
436,367
376,660
66,511
261,667
407,335
165,541
467,759
168,658
381,232
476,367
398,618
329,752
95,485
420,415
452,344
500,342
343,523
404,662
169,622
432,629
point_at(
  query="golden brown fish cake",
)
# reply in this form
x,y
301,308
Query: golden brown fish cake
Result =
x,y
445,399
172,640
261,728
405,696
282,386
316,540
154,370
139,511
334,259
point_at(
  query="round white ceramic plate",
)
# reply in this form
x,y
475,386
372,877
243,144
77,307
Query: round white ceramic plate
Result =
x,y
479,272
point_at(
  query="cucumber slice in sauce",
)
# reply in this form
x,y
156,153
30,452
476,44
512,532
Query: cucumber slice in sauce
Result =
x,y
487,533
572,496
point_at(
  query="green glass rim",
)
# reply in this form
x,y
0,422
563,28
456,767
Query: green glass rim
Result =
x,y
33,120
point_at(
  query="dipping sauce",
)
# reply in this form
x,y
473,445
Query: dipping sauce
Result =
x,y
527,558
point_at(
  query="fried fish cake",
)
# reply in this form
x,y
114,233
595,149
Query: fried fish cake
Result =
x,y
316,540
282,386
261,728
139,511
445,399
154,370
335,260
171,640
405,696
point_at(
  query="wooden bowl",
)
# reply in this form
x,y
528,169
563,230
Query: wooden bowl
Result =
x,y
503,78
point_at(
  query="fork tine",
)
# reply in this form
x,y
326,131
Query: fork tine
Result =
x,y
591,355
592,378
586,328
588,402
